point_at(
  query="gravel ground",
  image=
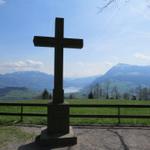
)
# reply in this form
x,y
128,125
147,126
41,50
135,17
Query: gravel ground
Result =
x,y
94,138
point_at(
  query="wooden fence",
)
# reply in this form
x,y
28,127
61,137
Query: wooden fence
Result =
x,y
117,107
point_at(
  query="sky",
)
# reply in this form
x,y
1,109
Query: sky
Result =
x,y
118,34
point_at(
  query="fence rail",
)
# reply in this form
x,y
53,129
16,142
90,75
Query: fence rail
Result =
x,y
117,116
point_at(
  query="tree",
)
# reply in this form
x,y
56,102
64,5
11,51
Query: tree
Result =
x,y
126,96
107,86
133,97
100,91
139,92
115,92
71,96
90,96
45,94
96,91
145,94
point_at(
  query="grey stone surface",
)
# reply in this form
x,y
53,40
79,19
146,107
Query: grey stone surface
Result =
x,y
98,138
108,138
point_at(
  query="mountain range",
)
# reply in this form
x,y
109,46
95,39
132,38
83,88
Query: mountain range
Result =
x,y
38,81
124,76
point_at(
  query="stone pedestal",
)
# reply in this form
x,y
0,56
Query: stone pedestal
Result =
x,y
56,140
58,132
58,119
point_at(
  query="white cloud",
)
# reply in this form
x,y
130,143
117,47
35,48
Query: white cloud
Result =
x,y
25,65
2,2
142,56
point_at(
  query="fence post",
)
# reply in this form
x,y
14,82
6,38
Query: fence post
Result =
x,y
118,114
21,115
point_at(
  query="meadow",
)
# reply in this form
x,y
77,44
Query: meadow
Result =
x,y
81,121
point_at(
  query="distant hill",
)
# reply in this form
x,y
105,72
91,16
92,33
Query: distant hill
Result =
x,y
125,77
29,79
17,93
38,81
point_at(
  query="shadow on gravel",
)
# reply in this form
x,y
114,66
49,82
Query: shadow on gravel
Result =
x,y
33,146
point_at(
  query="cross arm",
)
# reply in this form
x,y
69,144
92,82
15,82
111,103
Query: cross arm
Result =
x,y
72,43
42,41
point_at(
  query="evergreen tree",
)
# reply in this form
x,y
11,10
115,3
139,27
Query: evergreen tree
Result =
x,y
45,94
107,86
90,96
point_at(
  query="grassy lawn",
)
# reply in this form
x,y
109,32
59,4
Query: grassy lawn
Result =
x,y
112,111
10,134
79,121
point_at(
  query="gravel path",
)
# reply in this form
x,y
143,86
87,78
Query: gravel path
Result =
x,y
95,138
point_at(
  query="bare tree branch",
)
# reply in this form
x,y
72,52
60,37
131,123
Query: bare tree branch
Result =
x,y
105,6
110,2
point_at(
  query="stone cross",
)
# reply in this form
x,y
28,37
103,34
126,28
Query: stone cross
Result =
x,y
58,42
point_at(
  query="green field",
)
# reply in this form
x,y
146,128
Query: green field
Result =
x,y
80,121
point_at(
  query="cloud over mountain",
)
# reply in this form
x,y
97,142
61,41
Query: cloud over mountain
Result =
x,y
22,65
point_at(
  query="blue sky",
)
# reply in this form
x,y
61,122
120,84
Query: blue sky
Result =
x,y
120,34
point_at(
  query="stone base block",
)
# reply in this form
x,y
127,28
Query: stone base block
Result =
x,y
58,119
57,140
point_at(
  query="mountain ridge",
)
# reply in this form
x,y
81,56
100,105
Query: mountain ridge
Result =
x,y
38,81
123,76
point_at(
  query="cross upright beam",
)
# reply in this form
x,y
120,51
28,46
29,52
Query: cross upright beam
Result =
x,y
58,91
58,42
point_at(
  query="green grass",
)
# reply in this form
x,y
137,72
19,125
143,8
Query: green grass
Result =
x,y
112,111
15,94
10,134
79,121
